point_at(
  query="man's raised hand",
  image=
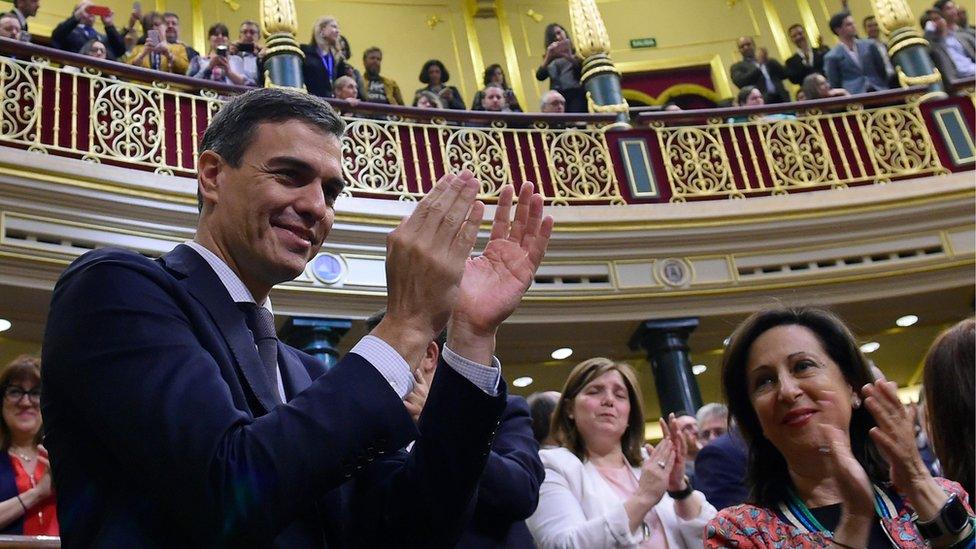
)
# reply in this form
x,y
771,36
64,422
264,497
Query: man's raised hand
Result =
x,y
494,282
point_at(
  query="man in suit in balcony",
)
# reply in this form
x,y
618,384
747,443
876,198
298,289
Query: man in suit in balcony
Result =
x,y
22,10
807,59
853,64
75,31
174,417
953,57
757,69
873,31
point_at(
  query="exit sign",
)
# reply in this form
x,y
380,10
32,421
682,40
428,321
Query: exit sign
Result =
x,y
643,43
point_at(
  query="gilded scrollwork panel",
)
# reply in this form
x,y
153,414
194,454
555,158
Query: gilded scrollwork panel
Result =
x,y
483,152
696,163
581,168
127,121
797,154
371,157
899,141
18,99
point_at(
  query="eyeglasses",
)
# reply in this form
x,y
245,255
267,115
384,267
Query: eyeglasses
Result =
x,y
13,394
708,434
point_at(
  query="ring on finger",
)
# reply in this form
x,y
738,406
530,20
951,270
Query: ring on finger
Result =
x,y
662,465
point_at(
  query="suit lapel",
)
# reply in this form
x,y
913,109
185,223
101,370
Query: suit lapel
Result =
x,y
204,285
294,376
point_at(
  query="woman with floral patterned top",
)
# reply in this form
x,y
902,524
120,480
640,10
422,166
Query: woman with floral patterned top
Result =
x,y
833,460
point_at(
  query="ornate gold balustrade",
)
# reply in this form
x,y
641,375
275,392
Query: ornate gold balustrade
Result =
x,y
59,103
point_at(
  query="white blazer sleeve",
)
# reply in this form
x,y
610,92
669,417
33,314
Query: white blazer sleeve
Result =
x,y
559,521
692,531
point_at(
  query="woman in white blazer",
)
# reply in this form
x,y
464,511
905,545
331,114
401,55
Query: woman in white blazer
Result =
x,y
603,487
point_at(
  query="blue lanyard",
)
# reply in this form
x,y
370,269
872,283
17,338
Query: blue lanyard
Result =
x,y
329,61
797,513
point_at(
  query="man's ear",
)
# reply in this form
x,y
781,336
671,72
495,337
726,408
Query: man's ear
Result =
x,y
209,165
429,363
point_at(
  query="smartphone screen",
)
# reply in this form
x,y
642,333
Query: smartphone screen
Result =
x,y
152,37
99,11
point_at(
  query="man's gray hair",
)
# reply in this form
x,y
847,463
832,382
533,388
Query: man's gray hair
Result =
x,y
711,409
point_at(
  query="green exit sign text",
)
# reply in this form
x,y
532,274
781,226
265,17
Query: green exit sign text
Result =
x,y
643,43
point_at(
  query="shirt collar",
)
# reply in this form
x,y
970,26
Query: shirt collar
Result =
x,y
235,287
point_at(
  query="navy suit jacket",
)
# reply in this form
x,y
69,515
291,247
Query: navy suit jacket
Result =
x,y
317,80
842,72
163,429
69,36
720,470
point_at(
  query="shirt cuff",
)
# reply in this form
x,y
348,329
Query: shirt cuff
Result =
x,y
387,362
484,377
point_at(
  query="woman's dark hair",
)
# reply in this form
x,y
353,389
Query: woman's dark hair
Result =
x,y
563,428
490,70
147,24
432,63
344,47
743,95
768,475
218,27
21,369
950,384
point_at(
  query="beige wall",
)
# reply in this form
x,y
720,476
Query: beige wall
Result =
x,y
688,32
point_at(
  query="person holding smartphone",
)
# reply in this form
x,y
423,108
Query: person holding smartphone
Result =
x,y
220,65
153,52
75,31
248,51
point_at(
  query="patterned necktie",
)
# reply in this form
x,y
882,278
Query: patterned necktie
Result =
x,y
261,323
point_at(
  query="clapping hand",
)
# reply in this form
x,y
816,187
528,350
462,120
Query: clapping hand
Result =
x,y
494,282
895,435
670,430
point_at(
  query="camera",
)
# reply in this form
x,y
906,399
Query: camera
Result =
x,y
221,50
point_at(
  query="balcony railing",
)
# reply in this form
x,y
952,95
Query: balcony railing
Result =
x,y
99,111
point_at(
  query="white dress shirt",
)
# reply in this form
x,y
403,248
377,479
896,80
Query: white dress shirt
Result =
x,y
377,352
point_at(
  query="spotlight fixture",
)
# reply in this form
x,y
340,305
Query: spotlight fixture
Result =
x,y
522,381
698,369
4,324
870,347
562,353
906,321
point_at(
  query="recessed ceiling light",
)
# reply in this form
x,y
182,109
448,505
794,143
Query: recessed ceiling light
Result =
x,y
698,369
4,324
870,347
726,341
906,321
522,381
562,353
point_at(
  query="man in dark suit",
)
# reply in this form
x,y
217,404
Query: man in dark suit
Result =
x,y
757,69
175,418
720,470
853,64
22,10
953,54
75,31
807,59
508,490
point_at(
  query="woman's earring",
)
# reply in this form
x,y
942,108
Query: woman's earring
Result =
x,y
856,402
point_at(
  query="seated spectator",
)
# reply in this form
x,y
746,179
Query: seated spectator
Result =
x,y
377,88
495,76
950,383
248,50
154,52
802,394
95,48
713,422
22,10
493,99
26,500
807,59
758,70
219,65
541,406
953,57
347,90
553,102
561,66
435,75
324,61
77,29
600,489
720,470
172,22
955,20
10,27
688,429
816,86
351,71
508,489
427,100
853,64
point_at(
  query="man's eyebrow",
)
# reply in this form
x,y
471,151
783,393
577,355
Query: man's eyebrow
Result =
x,y
291,162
